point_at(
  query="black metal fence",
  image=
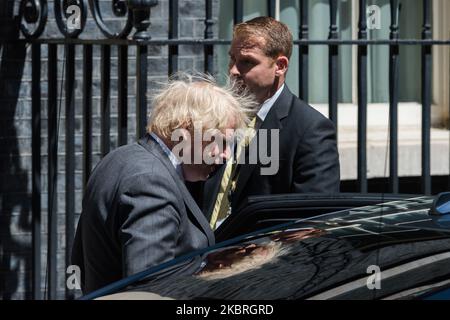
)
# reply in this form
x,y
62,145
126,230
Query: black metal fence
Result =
x,y
137,15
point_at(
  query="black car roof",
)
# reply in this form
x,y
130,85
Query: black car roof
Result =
x,y
387,234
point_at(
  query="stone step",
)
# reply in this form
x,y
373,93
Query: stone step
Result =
x,y
409,152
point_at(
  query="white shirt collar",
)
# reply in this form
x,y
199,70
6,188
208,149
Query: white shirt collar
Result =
x,y
267,105
173,159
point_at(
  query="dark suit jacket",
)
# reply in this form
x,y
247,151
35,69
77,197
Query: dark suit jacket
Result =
x,y
136,213
308,156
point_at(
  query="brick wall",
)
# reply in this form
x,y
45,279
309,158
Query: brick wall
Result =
x,y
15,127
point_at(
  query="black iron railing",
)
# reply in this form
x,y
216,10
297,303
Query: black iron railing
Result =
x,y
136,14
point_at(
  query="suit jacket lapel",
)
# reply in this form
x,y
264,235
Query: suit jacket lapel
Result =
x,y
279,110
148,143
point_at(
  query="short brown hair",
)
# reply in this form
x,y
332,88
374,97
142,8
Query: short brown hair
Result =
x,y
277,36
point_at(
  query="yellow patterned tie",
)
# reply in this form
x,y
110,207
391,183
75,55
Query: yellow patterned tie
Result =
x,y
228,183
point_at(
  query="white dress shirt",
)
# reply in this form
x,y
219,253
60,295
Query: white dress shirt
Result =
x,y
268,104
173,159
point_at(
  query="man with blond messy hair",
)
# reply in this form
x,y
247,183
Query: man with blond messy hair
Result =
x,y
137,212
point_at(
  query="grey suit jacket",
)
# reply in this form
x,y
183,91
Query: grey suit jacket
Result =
x,y
136,213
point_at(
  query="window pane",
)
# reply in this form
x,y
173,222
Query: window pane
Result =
x,y
410,20
319,22
225,32
410,56
289,14
378,57
319,26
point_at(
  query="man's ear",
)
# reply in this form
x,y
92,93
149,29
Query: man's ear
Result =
x,y
185,134
282,63
181,144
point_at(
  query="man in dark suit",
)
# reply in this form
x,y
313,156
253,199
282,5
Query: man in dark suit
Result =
x,y
308,157
137,212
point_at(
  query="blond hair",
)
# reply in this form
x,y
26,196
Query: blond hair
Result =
x,y
245,263
187,99
277,36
